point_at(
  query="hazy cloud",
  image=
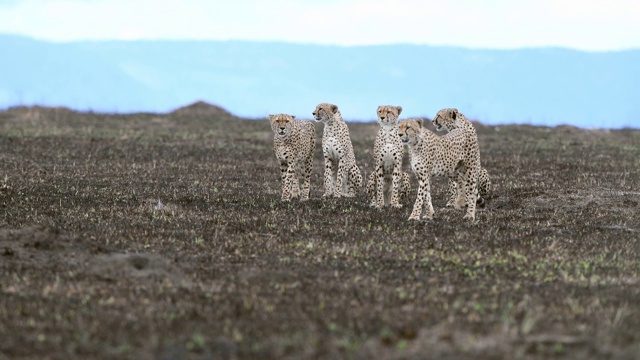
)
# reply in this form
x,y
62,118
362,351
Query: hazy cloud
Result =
x,y
587,24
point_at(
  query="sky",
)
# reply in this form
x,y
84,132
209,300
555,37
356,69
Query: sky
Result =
x,y
591,25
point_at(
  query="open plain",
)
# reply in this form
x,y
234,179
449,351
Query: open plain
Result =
x,y
162,236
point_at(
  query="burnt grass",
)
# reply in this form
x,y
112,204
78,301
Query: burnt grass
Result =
x,y
154,236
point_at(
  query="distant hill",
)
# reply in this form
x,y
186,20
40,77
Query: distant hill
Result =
x,y
202,108
546,86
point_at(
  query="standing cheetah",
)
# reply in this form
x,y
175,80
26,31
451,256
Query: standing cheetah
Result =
x,y
435,155
388,152
450,119
342,176
294,142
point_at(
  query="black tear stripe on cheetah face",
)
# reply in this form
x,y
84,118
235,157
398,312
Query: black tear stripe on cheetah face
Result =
x,y
435,155
388,152
451,119
294,142
342,177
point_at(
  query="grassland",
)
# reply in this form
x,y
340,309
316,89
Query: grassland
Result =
x,y
162,236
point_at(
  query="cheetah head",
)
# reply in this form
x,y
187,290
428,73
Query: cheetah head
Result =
x,y
325,112
446,119
408,131
388,115
281,124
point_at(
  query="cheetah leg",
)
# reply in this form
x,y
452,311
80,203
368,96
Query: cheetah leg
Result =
x,y
395,187
341,180
405,186
379,187
295,185
480,203
424,194
286,181
428,215
355,181
293,172
387,190
417,206
328,177
348,186
452,190
471,193
283,178
372,188
306,185
484,186
461,200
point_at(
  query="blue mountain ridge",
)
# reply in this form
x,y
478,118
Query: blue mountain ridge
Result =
x,y
541,86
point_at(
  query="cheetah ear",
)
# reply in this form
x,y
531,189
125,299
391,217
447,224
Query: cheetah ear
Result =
x,y
419,121
271,116
334,108
453,113
399,109
293,117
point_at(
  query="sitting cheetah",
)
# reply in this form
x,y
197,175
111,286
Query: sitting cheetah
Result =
x,y
294,142
436,155
342,176
387,152
450,119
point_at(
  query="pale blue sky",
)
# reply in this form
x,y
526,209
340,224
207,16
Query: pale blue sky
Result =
x,y
578,24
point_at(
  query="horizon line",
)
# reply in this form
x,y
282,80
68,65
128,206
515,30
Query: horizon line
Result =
x,y
215,107
288,42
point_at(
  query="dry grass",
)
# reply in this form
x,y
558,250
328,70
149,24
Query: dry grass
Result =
x,y
153,236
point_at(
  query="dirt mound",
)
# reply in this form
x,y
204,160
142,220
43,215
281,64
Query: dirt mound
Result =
x,y
201,108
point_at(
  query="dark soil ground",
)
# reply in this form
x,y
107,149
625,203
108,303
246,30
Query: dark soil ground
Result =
x,y
163,237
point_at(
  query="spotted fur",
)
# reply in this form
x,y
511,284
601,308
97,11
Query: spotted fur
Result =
x,y
449,120
342,177
387,152
435,155
294,143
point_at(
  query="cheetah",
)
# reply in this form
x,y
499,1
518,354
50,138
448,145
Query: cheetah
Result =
x,y
294,142
435,155
342,177
387,152
450,119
